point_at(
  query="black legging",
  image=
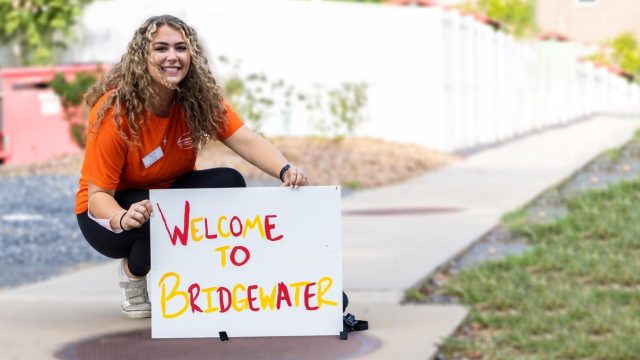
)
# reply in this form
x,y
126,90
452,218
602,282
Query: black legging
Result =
x,y
134,244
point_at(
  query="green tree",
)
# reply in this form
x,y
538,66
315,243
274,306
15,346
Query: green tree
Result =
x,y
517,16
623,51
37,27
626,54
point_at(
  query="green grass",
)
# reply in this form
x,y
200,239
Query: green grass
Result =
x,y
575,295
415,295
352,184
614,154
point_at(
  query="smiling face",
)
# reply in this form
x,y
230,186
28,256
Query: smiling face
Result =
x,y
169,58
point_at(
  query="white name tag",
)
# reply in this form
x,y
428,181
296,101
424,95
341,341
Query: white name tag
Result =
x,y
153,156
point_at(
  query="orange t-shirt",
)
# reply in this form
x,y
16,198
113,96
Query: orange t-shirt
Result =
x,y
110,163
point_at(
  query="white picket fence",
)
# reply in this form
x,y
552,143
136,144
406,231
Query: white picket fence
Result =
x,y
435,77
496,87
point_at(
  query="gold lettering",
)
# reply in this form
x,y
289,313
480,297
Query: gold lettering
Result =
x,y
244,303
297,286
194,229
322,290
220,232
173,293
257,221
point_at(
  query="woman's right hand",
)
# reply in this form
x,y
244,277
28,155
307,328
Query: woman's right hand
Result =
x,y
137,215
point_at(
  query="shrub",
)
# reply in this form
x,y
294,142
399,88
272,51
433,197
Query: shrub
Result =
x,y
71,94
516,16
338,111
622,51
334,112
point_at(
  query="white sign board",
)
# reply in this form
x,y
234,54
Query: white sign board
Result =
x,y
247,261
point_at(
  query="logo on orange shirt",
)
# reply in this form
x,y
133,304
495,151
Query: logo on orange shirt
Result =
x,y
185,142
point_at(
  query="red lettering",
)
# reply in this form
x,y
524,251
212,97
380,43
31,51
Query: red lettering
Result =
x,y
194,292
308,296
283,294
224,307
232,257
268,227
239,222
176,231
250,298
206,231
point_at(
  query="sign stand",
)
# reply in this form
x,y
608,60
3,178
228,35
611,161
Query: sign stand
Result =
x,y
351,324
223,336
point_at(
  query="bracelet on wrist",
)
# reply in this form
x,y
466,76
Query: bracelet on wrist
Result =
x,y
122,217
284,171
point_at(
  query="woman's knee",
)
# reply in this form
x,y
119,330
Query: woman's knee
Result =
x,y
234,177
210,178
138,269
102,240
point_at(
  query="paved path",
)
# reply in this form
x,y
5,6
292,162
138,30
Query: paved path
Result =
x,y
383,254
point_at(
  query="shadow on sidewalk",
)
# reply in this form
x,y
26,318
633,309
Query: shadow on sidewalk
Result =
x,y
139,345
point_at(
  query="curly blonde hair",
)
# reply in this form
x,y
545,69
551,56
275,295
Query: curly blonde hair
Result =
x,y
129,86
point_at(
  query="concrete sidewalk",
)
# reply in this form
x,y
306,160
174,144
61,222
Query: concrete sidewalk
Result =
x,y
393,237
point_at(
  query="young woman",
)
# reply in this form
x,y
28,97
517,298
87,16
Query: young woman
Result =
x,y
150,114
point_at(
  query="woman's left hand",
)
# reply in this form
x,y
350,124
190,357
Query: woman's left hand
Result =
x,y
295,177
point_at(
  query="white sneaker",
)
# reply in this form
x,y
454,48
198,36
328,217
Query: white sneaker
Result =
x,y
135,299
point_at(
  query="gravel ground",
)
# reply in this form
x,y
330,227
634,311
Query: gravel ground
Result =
x,y
38,232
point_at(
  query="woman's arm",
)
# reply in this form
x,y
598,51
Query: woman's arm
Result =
x,y
264,155
102,205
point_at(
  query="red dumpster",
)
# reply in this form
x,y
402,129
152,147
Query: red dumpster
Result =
x,y
32,123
